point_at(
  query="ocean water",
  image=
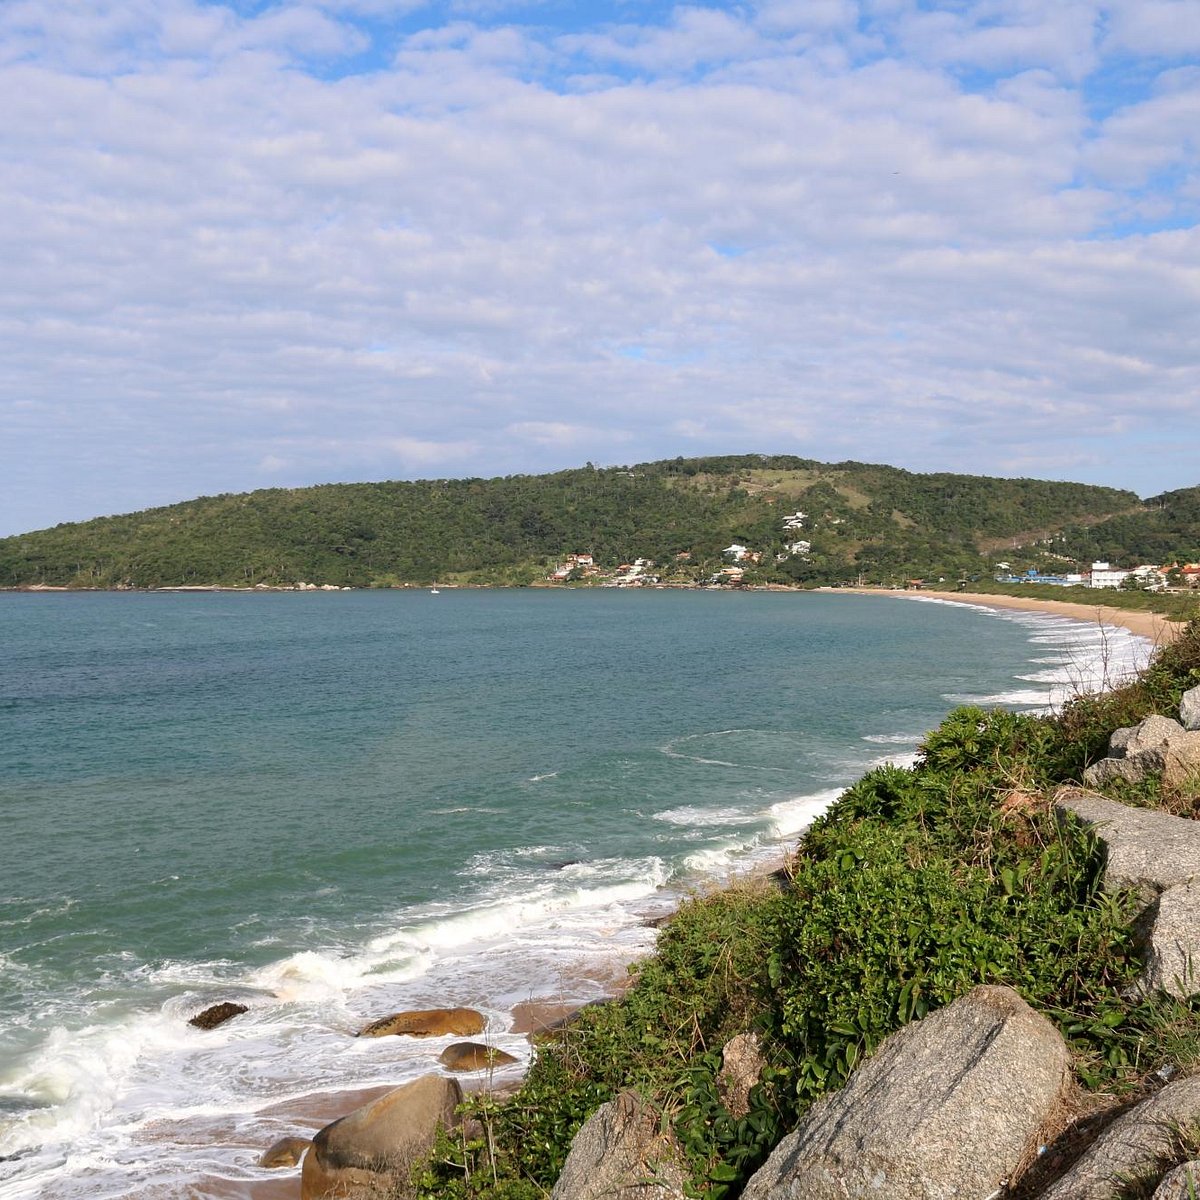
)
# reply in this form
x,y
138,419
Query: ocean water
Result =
x,y
329,806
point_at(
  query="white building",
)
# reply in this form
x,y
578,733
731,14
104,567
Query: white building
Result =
x,y
1105,576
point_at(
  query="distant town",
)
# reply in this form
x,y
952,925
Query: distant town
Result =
x,y
644,572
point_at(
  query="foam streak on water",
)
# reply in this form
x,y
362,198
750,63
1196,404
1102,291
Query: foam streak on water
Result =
x,y
329,807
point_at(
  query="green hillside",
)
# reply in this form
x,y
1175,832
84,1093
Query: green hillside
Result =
x,y
876,521
1164,529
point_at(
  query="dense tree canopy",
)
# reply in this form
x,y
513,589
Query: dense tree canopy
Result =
x,y
858,518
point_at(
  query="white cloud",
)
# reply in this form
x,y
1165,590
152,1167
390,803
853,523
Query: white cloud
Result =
x,y
1161,28
816,240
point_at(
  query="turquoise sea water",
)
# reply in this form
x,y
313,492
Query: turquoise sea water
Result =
x,y
333,805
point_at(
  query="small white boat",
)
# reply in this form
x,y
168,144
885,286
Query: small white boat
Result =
x,y
433,591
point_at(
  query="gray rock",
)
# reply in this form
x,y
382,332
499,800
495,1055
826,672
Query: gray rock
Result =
x,y
1158,747
1151,734
1182,1183
1118,741
1181,762
741,1068
1147,850
1133,1146
368,1153
1127,770
1189,709
621,1153
1172,946
944,1110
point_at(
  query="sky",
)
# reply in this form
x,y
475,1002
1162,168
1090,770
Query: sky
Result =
x,y
255,245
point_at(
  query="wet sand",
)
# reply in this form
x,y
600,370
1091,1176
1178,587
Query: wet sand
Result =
x,y
1154,626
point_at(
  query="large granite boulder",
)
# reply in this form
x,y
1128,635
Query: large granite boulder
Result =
x,y
1146,850
1171,946
1189,709
621,1153
428,1022
944,1110
1133,1146
474,1056
367,1155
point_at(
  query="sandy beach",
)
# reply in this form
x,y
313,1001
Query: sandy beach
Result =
x,y
1149,625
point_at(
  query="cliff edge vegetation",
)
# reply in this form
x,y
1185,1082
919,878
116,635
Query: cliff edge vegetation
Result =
x,y
916,886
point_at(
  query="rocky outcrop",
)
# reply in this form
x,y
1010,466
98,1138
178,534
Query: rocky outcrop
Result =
x,y
621,1153
944,1110
1182,1183
741,1068
1153,733
429,1022
1158,747
1132,1147
286,1152
1146,849
218,1014
367,1155
474,1056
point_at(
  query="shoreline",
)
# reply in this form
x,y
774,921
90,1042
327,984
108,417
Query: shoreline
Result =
x,y
312,1110
1150,625
308,1113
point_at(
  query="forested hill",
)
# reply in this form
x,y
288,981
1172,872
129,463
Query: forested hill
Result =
x,y
857,519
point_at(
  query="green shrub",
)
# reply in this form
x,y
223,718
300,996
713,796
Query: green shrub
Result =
x,y
916,886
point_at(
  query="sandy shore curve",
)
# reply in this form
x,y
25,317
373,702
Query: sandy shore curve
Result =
x,y
1153,626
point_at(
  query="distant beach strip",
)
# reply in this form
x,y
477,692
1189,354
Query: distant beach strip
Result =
x,y
1153,626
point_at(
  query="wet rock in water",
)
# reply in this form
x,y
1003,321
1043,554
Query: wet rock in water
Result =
x,y
946,1108
287,1152
427,1022
218,1014
622,1153
368,1154
473,1056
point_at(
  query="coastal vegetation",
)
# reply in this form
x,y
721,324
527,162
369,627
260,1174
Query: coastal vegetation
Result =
x,y
916,886
854,522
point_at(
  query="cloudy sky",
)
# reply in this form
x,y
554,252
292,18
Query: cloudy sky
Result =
x,y
249,245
